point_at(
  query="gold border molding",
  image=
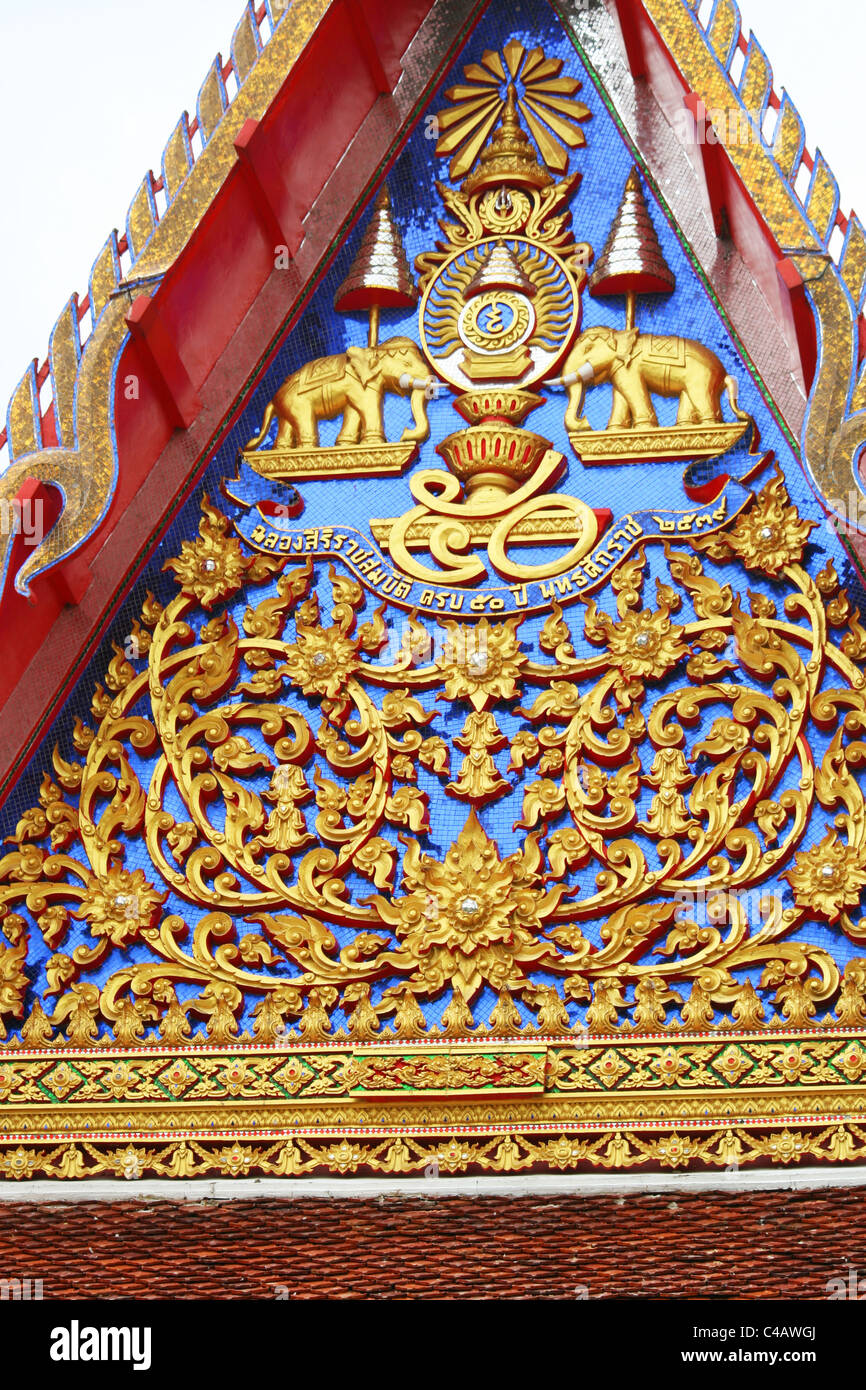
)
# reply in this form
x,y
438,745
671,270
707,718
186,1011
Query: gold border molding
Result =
x,y
714,1099
82,378
834,429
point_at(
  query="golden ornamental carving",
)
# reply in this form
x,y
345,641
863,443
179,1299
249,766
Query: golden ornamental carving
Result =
x,y
499,314
506,1150
672,749
214,710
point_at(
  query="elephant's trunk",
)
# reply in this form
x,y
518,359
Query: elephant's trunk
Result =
x,y
419,414
576,382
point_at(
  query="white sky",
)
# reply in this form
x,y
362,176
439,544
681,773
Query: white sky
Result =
x,y
91,90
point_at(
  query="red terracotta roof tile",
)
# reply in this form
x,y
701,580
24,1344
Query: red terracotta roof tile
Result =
x,y
705,1246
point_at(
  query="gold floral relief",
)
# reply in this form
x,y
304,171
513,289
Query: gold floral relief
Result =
x,y
284,823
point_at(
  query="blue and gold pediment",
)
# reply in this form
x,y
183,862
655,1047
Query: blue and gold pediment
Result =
x,y
475,775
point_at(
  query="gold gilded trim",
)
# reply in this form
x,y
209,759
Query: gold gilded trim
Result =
x,y
87,487
445,1154
231,1114
833,434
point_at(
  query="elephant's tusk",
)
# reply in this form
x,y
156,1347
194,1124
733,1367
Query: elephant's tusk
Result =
x,y
429,385
585,373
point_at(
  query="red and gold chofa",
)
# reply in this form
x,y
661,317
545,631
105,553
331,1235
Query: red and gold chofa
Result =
x,y
391,783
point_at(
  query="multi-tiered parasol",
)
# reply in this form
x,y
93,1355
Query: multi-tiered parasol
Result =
x,y
380,277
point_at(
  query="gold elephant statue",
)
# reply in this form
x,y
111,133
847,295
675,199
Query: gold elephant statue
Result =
x,y
637,363
352,384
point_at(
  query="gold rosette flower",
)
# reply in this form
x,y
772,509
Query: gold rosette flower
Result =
x,y
771,534
211,567
828,878
321,661
645,645
481,663
473,919
119,904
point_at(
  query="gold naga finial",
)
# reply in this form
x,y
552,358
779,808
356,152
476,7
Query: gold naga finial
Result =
x,y
379,277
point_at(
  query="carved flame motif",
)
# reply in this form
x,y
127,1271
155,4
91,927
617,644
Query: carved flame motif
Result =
x,y
271,778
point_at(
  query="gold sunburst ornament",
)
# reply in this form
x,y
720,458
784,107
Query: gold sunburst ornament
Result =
x,y
502,310
533,84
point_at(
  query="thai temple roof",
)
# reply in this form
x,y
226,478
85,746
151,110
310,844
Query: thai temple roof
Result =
x,y
433,693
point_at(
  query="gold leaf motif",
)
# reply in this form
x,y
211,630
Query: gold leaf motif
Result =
x,y
540,800
828,877
525,751
479,780
567,849
372,636
269,616
433,754
237,755
180,837
555,636
347,596
483,665
769,536
408,806
461,920
119,672
321,661
211,567
151,610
